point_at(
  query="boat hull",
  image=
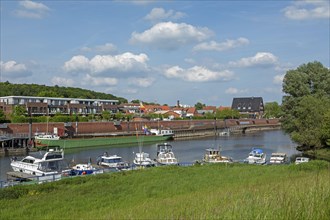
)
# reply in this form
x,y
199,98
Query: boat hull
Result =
x,y
90,142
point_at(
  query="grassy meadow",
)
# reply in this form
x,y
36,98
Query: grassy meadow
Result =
x,y
219,191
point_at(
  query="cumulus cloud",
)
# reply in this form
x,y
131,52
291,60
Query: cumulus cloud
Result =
x,y
228,44
308,9
13,69
278,79
169,35
120,63
158,14
62,81
99,81
106,48
141,82
30,9
260,59
198,74
234,91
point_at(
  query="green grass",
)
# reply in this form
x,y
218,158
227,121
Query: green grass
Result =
x,y
234,191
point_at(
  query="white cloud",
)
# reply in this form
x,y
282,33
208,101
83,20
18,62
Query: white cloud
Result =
x,y
278,79
308,9
62,81
141,82
106,48
13,69
99,81
120,63
76,64
198,74
168,35
30,5
234,91
228,44
30,9
158,14
260,59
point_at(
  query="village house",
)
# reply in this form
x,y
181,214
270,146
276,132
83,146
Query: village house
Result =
x,y
253,107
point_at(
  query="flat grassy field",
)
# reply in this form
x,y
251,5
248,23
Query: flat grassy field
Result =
x,y
219,191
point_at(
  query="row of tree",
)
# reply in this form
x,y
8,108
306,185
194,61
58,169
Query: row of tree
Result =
x,y
9,89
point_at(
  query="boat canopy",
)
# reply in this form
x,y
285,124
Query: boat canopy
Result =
x,y
257,151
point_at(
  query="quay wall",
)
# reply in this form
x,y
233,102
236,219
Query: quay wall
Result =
x,y
87,128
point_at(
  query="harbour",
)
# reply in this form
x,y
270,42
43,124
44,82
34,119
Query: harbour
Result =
x,y
186,150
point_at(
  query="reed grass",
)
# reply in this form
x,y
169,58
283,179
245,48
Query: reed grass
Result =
x,y
219,191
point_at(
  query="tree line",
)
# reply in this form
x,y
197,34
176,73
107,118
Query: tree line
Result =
x,y
9,89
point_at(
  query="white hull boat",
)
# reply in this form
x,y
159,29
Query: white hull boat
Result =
x,y
112,161
143,160
278,158
213,156
52,162
256,156
165,155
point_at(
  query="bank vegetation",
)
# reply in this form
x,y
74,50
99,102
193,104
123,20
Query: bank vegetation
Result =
x,y
220,191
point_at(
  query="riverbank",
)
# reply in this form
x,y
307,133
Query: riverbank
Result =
x,y
232,191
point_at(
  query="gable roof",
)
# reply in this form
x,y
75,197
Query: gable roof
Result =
x,y
248,104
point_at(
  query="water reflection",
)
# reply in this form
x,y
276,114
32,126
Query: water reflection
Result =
x,y
236,147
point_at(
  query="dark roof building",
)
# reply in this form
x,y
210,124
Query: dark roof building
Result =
x,y
253,106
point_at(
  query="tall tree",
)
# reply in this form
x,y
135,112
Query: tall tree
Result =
x,y
306,104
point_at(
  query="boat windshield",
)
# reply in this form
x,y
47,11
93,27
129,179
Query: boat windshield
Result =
x,y
113,160
52,166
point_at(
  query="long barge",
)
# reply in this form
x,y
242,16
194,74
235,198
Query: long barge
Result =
x,y
100,141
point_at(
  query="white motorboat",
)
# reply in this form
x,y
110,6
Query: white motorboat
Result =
x,y
256,156
278,158
214,156
143,160
300,160
165,155
112,161
52,162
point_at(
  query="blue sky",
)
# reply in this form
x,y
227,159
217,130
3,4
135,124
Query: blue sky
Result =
x,y
163,51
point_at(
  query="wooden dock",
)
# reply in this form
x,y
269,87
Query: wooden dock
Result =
x,y
14,175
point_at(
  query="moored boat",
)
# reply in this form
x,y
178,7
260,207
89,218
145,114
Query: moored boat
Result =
x,y
142,159
165,155
99,141
52,162
112,161
256,156
214,156
300,160
278,158
46,137
81,169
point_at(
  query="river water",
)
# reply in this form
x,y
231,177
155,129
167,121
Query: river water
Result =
x,y
235,146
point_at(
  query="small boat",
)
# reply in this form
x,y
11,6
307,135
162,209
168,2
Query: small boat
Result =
x,y
300,160
165,155
278,158
81,169
143,160
213,156
256,156
47,137
112,161
52,162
